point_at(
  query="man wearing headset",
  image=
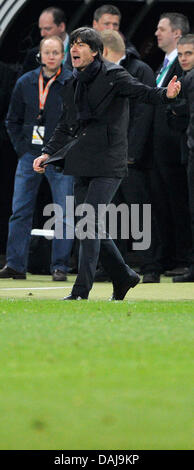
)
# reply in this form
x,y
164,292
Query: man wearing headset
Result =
x,y
35,107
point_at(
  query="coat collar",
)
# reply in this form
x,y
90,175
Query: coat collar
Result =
x,y
101,86
64,75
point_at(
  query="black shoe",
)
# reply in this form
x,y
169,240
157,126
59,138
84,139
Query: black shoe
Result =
x,y
58,275
189,277
7,272
119,292
176,271
102,276
151,278
74,297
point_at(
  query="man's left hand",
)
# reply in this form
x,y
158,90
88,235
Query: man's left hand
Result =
x,y
173,88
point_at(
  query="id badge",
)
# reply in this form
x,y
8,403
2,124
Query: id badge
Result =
x,y
38,135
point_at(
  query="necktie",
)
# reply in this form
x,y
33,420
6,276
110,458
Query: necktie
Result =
x,y
163,71
165,63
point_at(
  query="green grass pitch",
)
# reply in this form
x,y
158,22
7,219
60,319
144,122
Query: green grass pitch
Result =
x,y
96,374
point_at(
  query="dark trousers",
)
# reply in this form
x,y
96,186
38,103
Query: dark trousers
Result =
x,y
95,191
191,203
170,200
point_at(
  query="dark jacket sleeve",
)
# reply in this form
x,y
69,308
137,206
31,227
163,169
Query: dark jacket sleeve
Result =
x,y
15,117
131,87
178,116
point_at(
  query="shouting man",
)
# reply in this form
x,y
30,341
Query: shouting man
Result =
x,y
92,139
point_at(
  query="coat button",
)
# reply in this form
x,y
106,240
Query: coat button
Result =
x,y
71,128
111,83
84,133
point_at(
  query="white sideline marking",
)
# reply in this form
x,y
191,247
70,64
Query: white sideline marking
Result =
x,y
43,232
34,288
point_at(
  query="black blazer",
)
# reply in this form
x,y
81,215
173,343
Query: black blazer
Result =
x,y
100,148
166,141
178,118
141,114
188,86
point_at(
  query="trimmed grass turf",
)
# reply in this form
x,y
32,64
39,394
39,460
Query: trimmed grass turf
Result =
x,y
42,287
96,375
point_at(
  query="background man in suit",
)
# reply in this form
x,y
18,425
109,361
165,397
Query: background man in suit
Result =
x,y
182,118
109,17
96,114
52,22
169,181
106,17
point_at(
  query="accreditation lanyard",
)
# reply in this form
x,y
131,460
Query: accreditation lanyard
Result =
x,y
164,72
43,92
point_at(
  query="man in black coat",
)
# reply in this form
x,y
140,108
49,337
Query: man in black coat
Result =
x,y
92,139
169,180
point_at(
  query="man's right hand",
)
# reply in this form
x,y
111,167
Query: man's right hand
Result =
x,y
38,161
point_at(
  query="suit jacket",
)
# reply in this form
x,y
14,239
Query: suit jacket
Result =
x,y
100,146
141,114
178,119
188,87
166,141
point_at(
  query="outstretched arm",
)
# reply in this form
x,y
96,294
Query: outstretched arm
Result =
x,y
129,86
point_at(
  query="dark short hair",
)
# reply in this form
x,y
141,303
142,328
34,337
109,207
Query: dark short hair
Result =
x,y
187,39
106,9
89,36
58,14
177,21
